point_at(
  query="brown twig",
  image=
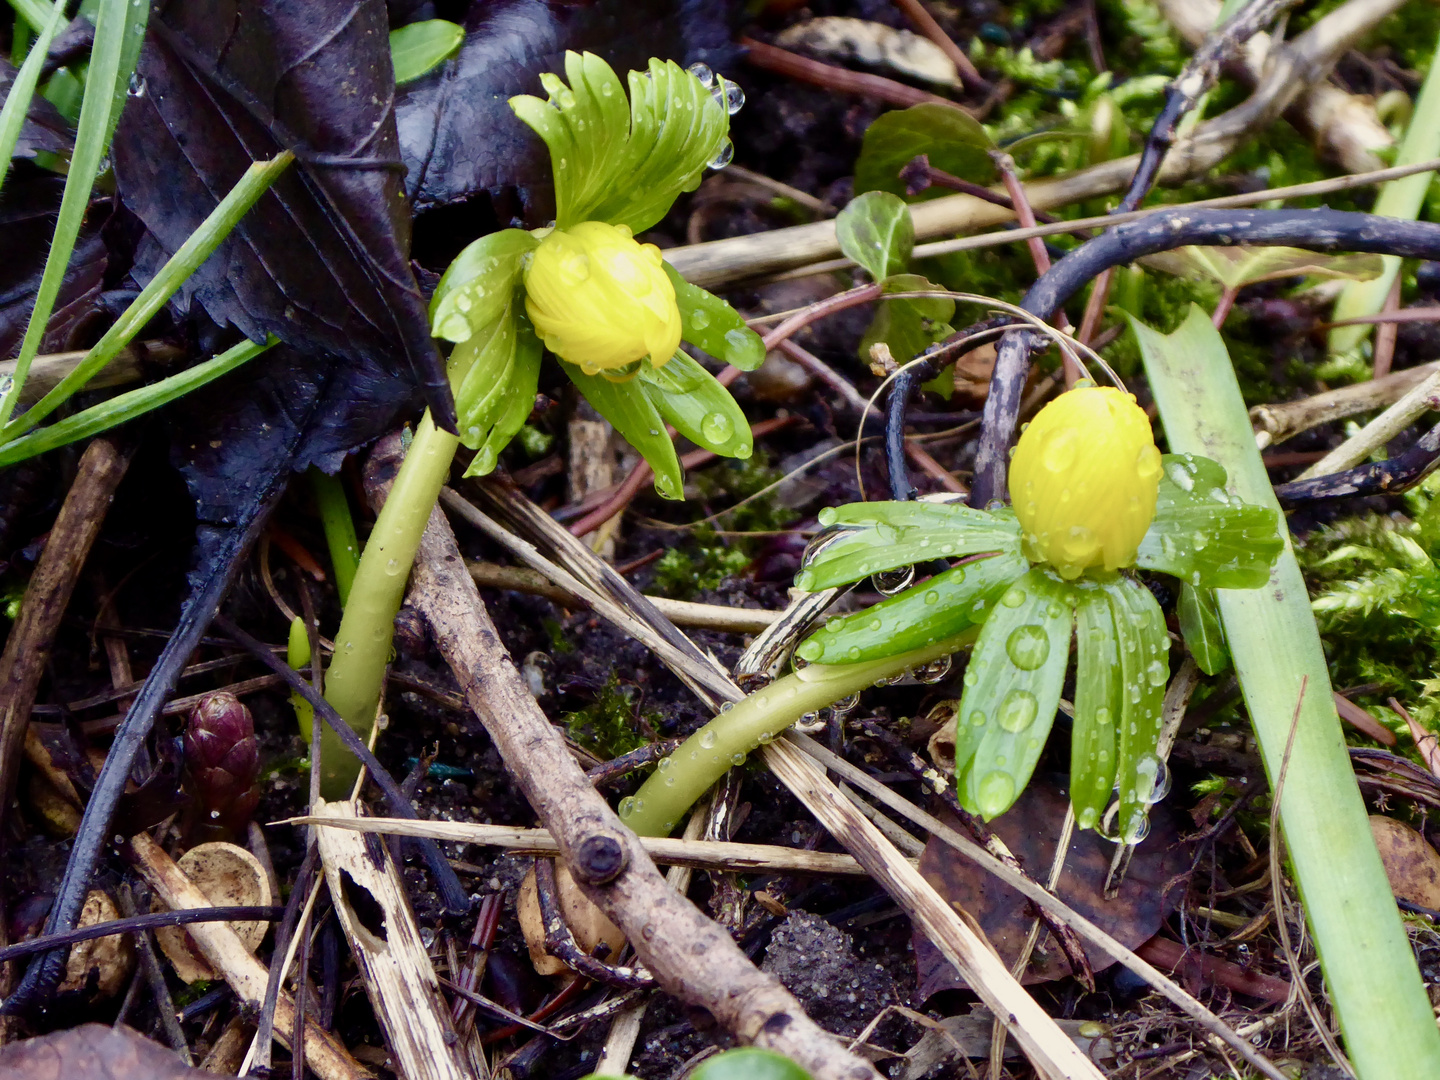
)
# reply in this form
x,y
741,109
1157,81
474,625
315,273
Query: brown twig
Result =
x,y
1386,334
926,24
604,857
842,386
561,943
27,649
923,460
830,77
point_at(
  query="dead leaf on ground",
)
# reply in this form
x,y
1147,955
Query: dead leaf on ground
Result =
x,y
1029,829
230,877
1411,863
95,1052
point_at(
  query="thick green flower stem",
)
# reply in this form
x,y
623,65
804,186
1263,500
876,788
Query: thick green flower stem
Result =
x,y
362,646
1369,968
755,720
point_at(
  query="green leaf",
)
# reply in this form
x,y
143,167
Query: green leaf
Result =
x,y
1205,536
954,141
624,167
119,30
709,322
628,408
417,48
875,230
1007,708
1199,616
874,537
697,406
1233,267
1144,671
495,374
749,1063
22,88
944,605
127,406
911,325
1098,705
476,287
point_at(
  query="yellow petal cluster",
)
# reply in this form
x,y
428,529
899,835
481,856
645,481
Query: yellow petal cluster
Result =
x,y
1084,479
600,300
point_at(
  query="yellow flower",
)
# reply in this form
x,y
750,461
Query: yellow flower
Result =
x,y
1084,479
600,300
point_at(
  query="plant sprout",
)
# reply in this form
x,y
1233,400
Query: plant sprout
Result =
x,y
1095,499
612,311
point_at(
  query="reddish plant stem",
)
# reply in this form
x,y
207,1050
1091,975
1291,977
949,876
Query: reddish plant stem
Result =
x,y
831,304
831,77
1386,333
1361,720
1222,309
920,170
1414,314
926,24
1095,307
829,376
1172,956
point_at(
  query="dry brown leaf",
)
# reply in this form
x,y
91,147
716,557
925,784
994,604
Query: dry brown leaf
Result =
x,y
94,1052
1029,829
1411,863
113,957
586,921
229,876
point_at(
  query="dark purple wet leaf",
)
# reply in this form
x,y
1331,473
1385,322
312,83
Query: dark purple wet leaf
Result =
x,y
1029,829
43,128
458,136
28,204
321,261
96,1052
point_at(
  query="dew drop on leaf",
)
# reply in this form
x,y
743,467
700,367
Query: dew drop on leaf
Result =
x,y
717,428
1027,647
1018,710
996,793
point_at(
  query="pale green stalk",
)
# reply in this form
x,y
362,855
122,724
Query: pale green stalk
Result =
x,y
1366,958
339,529
755,720
119,28
37,13
128,406
1398,199
22,90
362,645
198,247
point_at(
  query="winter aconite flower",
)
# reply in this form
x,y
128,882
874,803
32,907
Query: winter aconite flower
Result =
x,y
583,288
1093,497
1084,479
600,300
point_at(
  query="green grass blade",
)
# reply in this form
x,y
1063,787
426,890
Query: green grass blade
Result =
x,y
129,405
1401,198
22,91
118,27
38,13
1369,968
196,249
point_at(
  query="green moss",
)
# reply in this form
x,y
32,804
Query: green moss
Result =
x,y
683,572
559,643
607,727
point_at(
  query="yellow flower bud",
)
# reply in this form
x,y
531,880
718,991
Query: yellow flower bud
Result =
x,y
600,300
1084,479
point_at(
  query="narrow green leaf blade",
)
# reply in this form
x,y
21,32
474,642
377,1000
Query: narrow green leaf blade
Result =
x,y
934,609
1098,706
517,399
1369,968
476,287
22,89
628,408
697,406
421,46
1144,670
1008,707
709,322
1199,616
876,231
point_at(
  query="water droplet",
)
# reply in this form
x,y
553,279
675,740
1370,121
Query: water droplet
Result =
x,y
455,327
890,582
845,705
703,73
1102,715
737,758
1157,673
463,302
811,649
699,319
707,739
667,487
827,516
996,793
627,807
932,597
1018,710
1027,647
724,154
734,97
1137,828
766,737
1013,597
718,428
392,567
1058,451
664,764
933,672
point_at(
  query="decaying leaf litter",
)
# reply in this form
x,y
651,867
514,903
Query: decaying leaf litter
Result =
x,y
586,671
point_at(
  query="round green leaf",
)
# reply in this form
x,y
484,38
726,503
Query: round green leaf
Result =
x,y
875,230
749,1063
953,140
421,46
